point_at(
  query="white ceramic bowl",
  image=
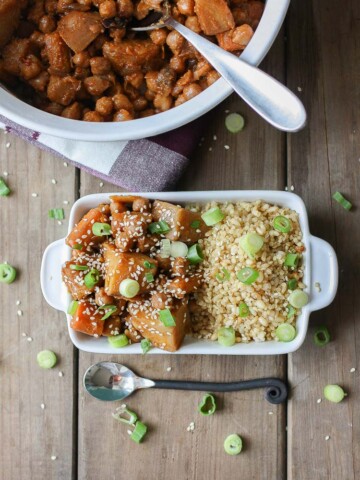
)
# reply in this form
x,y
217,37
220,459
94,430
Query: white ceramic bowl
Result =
x,y
319,260
43,122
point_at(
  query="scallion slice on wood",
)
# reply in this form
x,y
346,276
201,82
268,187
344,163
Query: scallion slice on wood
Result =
x,y
213,216
321,336
79,268
166,318
207,406
247,275
46,359
282,224
251,243
285,332
243,310
73,307
124,415
159,227
292,260
139,432
7,273
342,200
57,213
226,336
178,249
292,284
225,275
4,189
129,288
298,298
334,393
108,310
234,122
233,444
118,341
195,254
145,345
100,229
92,278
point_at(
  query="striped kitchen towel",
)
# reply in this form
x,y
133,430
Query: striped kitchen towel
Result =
x,y
146,165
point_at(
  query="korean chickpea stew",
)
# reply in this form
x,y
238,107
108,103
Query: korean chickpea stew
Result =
x,y
150,271
81,60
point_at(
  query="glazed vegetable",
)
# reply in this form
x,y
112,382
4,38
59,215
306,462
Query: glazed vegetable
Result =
x,y
129,288
118,341
82,233
195,254
87,319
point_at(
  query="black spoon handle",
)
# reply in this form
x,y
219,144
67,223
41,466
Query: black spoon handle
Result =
x,y
276,389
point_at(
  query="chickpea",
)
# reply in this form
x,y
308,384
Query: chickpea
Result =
x,y
104,106
40,82
175,42
117,34
100,65
135,79
73,111
125,8
211,77
81,59
159,36
54,108
202,69
193,24
121,101
47,24
162,102
116,88
96,85
140,104
30,67
107,9
81,73
123,116
51,6
87,3
149,95
152,81
186,7
131,92
147,113
62,5
191,90
178,64
91,116
37,38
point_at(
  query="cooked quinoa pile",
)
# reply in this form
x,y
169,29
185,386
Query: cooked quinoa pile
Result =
x,y
217,302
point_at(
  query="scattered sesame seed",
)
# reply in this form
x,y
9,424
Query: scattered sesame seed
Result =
x,y
101,184
5,174
18,302
61,374
53,181
318,400
327,437
65,164
8,145
271,413
29,339
66,202
42,406
299,89
24,334
214,137
292,188
286,189
317,286
227,111
227,147
168,369
210,149
352,370
34,195
53,457
19,313
129,432
59,222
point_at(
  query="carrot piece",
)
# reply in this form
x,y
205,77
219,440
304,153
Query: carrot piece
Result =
x,y
87,319
82,233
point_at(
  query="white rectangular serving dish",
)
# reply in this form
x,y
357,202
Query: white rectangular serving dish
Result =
x,y
319,260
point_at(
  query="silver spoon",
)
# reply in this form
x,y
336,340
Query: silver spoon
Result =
x,y
268,97
110,381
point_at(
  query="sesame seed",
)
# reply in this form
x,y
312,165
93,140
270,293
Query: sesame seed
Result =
x,y
8,145
53,181
61,374
318,400
53,457
59,222
292,188
24,334
65,164
66,202
352,370
299,89
101,184
214,137
18,302
168,369
34,195
29,339
327,437
42,406
227,147
19,313
271,413
5,174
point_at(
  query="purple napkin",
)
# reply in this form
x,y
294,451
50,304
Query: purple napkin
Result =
x,y
152,164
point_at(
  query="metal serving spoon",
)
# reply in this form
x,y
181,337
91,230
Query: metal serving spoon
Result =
x,y
110,381
268,97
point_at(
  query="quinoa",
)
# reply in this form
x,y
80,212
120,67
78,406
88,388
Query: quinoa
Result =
x,y
217,302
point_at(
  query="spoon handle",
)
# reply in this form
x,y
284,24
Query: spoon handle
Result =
x,y
276,389
268,97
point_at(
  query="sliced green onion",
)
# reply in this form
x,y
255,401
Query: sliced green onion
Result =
x,y
46,359
247,275
291,311
118,341
148,264
159,227
234,122
195,224
291,260
124,415
145,345
92,278
73,307
149,277
243,310
129,288
298,298
109,310
100,229
178,249
4,189
282,224
342,200
213,216
233,444
57,213
79,268
224,276
166,318
139,432
195,254
226,336
334,393
165,248
292,284
77,246
321,336
251,243
7,273
207,406
285,332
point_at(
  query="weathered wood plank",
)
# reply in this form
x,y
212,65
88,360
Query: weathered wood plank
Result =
x,y
254,160
324,158
31,435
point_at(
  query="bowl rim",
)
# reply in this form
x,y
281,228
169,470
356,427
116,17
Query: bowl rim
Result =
x,y
30,117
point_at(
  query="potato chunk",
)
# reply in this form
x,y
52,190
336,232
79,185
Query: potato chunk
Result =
x,y
87,319
214,16
82,233
131,56
149,325
79,29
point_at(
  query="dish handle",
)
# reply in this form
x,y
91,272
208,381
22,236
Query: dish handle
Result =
x,y
50,278
324,273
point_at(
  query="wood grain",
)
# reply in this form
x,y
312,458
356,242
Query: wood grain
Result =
x,y
322,159
255,159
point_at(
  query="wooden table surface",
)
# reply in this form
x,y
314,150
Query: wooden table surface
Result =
x,y
318,55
